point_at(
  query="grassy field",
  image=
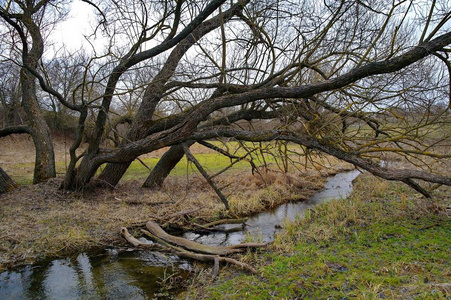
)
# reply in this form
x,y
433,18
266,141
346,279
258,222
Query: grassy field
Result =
x,y
381,243
17,159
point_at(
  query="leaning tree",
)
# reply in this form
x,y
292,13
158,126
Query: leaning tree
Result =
x,y
348,78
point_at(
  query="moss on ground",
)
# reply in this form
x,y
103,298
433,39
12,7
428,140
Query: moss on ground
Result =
x,y
384,243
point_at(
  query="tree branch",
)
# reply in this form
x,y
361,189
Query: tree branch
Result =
x,y
14,130
404,175
204,173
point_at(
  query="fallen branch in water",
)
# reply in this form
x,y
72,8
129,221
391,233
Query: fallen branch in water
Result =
x,y
224,221
196,247
190,249
137,243
201,257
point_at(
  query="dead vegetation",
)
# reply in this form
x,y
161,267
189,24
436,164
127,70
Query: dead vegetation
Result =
x,y
41,221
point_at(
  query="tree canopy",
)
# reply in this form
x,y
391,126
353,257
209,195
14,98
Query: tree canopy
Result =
x,y
353,79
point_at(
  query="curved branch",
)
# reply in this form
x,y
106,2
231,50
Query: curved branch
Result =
x,y
14,130
404,175
97,8
51,91
199,112
22,35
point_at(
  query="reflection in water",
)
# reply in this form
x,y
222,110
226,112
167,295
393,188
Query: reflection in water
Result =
x,y
138,275
264,225
132,275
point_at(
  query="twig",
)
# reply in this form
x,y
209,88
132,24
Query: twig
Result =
x,y
429,226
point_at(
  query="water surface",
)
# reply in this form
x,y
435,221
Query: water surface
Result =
x,y
264,225
142,274
110,275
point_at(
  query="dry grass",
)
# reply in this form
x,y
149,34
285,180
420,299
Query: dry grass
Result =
x,y
41,221
382,242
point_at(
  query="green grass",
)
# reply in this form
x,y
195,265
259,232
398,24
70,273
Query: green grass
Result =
x,y
213,162
387,243
22,173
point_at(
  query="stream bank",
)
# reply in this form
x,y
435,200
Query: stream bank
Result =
x,y
384,241
142,274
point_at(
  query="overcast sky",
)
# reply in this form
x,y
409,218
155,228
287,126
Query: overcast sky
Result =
x,y
79,22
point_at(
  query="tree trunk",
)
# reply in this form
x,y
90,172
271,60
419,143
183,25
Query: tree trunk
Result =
x,y
40,132
45,158
164,166
6,183
152,96
112,173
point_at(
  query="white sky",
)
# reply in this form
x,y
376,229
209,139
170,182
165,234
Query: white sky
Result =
x,y
79,22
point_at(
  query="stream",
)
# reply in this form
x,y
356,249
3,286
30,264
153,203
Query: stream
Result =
x,y
264,225
112,274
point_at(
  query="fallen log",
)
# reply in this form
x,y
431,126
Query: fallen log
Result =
x,y
137,243
201,257
188,249
196,247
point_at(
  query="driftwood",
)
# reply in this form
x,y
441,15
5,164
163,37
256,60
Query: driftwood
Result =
x,y
189,249
201,257
137,243
196,247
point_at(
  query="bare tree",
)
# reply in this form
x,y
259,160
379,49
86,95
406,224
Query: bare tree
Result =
x,y
346,78
324,79
25,18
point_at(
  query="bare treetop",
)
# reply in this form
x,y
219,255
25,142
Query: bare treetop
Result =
x,y
353,79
